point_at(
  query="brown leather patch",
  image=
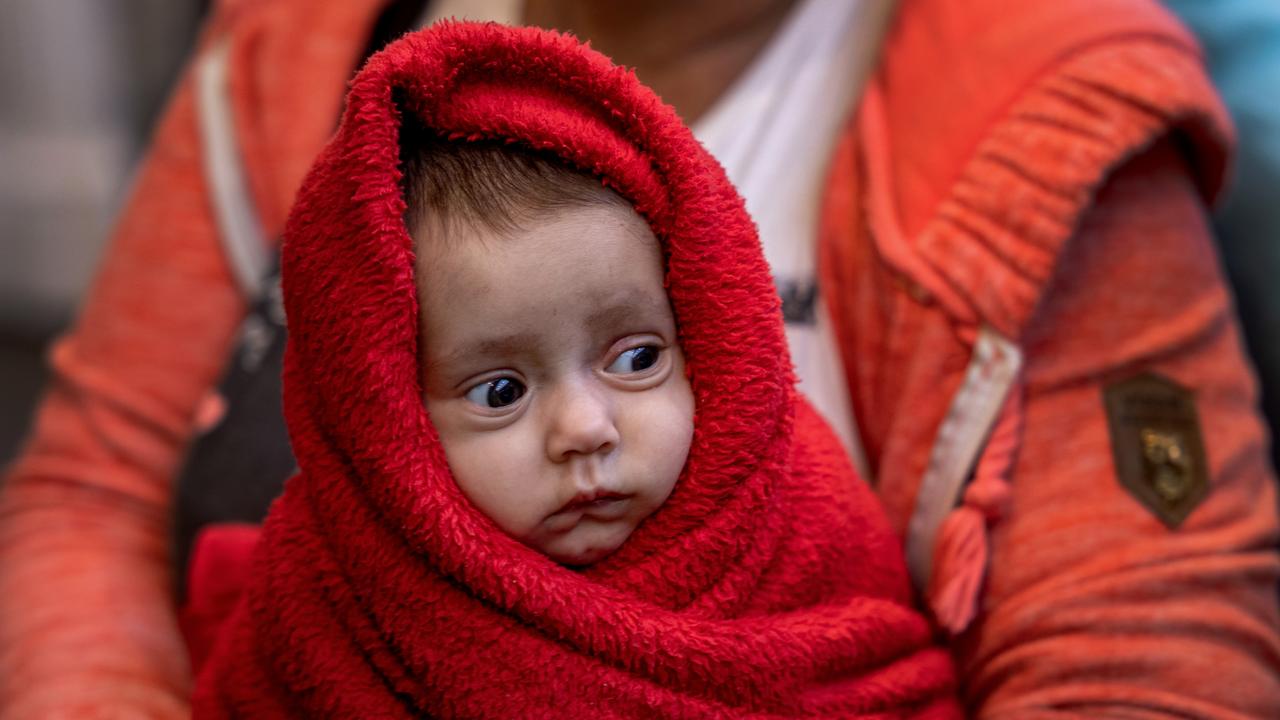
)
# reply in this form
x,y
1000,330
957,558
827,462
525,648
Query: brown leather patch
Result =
x,y
1156,444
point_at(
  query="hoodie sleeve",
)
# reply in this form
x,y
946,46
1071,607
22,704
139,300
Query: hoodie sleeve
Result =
x,y
86,610
1074,224
86,614
1094,606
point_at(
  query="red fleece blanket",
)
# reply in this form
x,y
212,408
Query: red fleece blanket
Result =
x,y
769,585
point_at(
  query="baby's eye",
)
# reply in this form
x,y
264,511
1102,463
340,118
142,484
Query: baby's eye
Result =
x,y
496,393
635,360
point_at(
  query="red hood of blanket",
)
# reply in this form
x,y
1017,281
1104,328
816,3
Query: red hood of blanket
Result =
x,y
547,92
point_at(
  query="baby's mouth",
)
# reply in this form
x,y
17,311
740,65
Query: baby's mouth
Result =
x,y
596,500
598,505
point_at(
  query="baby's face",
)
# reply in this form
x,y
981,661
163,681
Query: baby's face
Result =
x,y
552,373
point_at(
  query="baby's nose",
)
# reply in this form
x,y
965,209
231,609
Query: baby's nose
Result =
x,y
580,422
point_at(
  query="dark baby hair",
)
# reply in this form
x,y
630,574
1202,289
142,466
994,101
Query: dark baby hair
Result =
x,y
485,184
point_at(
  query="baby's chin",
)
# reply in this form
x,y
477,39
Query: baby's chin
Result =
x,y
587,550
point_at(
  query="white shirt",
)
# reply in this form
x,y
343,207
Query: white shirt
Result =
x,y
775,131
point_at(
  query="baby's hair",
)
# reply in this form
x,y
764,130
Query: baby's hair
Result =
x,y
487,184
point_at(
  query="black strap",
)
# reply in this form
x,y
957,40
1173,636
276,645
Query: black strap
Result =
x,y
236,468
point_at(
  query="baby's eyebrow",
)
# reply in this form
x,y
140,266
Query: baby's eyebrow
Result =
x,y
619,310
492,347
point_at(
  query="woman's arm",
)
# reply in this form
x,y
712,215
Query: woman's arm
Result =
x,y
87,624
1093,605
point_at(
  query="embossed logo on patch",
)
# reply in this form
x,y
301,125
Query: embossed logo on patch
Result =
x,y
1156,443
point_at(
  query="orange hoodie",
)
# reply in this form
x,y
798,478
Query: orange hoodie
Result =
x,y
1039,171
1007,169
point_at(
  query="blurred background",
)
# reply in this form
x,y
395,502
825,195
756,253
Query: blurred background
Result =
x,y
83,81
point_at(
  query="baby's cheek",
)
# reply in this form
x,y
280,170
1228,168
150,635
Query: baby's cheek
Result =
x,y
487,471
682,414
669,430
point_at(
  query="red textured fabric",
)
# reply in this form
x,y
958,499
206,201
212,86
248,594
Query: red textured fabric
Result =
x,y
769,585
219,567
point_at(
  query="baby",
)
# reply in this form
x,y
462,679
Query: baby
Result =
x,y
550,361
552,461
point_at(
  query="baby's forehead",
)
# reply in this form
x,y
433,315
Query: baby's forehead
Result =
x,y
438,240
575,263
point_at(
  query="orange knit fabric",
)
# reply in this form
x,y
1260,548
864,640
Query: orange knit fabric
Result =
x,y
974,164
87,624
1032,188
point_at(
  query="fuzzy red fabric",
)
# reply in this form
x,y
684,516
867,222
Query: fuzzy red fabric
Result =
x,y
769,585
